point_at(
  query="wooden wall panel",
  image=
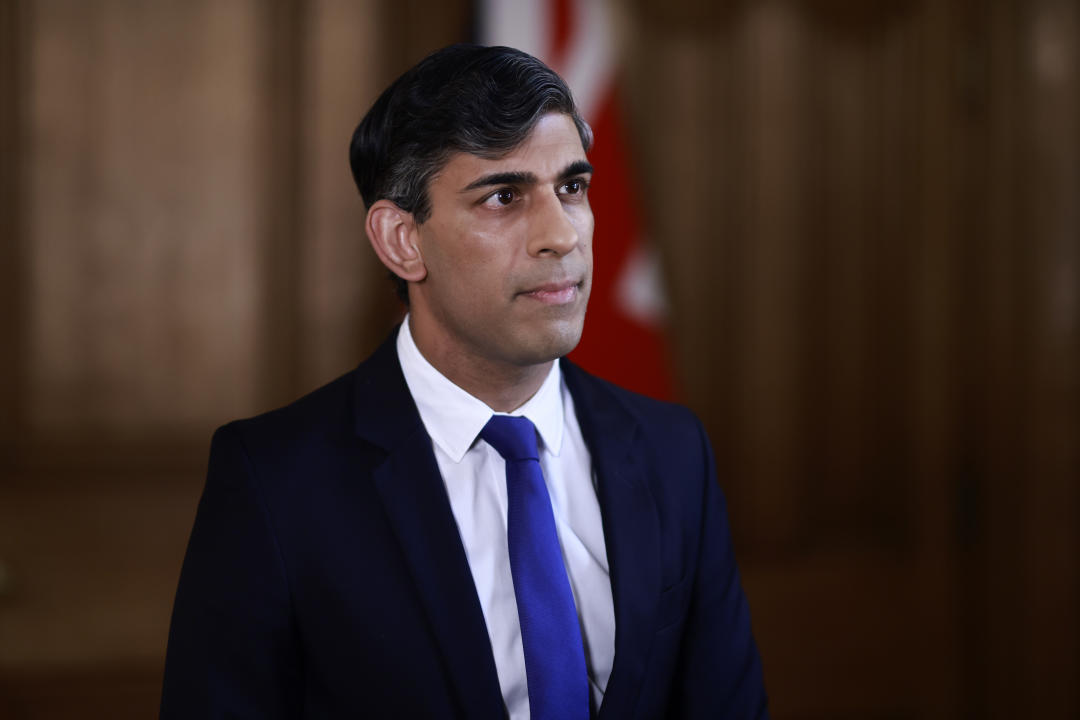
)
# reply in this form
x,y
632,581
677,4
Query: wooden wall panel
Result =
x,y
184,221
136,299
91,572
11,193
183,245
863,212
1032,561
788,205
345,296
1052,56
140,223
770,342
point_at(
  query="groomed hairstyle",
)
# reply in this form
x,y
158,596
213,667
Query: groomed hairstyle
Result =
x,y
464,98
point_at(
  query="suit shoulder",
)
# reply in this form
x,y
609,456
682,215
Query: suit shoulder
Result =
x,y
657,416
321,413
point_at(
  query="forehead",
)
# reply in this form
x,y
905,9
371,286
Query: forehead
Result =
x,y
551,145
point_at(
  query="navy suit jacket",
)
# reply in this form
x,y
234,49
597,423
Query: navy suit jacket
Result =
x,y
325,577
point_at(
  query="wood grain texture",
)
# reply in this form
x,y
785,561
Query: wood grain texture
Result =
x,y
140,215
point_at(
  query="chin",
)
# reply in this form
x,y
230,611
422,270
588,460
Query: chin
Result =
x,y
553,343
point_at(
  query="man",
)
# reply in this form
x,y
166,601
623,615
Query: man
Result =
x,y
466,525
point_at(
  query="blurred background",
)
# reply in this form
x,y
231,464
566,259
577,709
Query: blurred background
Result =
x,y
867,214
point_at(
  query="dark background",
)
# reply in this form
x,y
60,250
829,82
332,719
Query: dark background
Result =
x,y
869,215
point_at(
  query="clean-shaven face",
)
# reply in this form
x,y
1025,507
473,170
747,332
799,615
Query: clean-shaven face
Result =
x,y
508,252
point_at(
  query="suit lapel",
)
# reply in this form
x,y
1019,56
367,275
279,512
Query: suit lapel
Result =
x,y
631,532
413,494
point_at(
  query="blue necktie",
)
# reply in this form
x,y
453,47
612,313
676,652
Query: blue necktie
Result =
x,y
554,654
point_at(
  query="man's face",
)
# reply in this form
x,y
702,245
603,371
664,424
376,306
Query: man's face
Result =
x,y
508,253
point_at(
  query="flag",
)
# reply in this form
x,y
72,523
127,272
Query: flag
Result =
x,y
624,338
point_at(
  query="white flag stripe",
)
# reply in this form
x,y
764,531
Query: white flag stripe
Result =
x,y
589,62
639,290
523,24
589,65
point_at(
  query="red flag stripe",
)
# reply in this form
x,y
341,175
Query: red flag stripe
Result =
x,y
561,27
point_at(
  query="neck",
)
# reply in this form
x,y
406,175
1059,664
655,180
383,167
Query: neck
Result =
x,y
502,387
502,394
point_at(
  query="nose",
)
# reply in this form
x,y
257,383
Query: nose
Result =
x,y
551,231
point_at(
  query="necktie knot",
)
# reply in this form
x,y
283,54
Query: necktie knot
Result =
x,y
513,437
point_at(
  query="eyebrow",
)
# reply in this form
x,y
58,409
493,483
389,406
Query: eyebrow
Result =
x,y
578,167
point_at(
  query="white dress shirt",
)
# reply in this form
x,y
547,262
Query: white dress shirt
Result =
x,y
475,478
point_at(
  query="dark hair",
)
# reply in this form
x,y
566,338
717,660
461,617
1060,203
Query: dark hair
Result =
x,y
463,98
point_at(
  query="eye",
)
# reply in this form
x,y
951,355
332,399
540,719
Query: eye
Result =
x,y
577,186
505,196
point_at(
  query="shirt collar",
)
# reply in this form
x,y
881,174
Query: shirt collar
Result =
x,y
454,418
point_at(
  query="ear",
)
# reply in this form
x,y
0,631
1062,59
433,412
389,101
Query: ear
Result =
x,y
393,235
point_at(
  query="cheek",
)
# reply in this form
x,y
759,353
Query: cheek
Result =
x,y
478,277
583,223
495,252
459,256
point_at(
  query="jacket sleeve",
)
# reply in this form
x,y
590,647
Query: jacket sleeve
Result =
x,y
719,671
232,649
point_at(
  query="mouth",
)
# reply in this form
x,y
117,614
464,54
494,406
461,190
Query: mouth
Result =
x,y
558,293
